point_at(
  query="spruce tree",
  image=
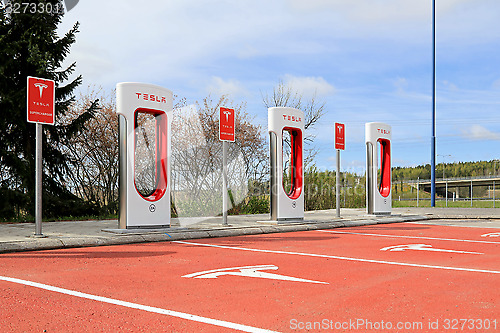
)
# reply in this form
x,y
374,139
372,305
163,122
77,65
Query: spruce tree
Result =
x,y
30,46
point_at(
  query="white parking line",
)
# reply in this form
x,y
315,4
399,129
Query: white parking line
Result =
x,y
483,224
410,237
373,261
205,320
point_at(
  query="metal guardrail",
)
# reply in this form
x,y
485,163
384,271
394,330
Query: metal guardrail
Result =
x,y
414,181
467,199
419,183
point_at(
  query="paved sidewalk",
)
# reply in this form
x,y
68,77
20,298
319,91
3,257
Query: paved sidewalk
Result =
x,y
20,236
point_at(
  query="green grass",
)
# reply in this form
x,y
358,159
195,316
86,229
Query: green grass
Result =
x,y
31,219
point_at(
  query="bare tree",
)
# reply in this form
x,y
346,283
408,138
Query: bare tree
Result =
x,y
286,96
196,176
197,156
93,172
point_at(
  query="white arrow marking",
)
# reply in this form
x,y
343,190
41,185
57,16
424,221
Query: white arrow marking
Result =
x,y
317,255
248,271
421,247
492,234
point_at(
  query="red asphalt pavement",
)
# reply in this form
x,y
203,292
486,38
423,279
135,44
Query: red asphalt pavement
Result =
x,y
446,281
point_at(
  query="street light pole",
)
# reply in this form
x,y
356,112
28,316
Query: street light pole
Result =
x,y
494,175
433,137
443,156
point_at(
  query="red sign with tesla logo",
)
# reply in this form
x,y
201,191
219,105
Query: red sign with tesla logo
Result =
x,y
41,100
339,136
226,124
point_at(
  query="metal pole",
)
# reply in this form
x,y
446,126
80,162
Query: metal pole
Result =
x,y
224,182
38,181
493,194
418,189
471,193
337,185
433,138
447,193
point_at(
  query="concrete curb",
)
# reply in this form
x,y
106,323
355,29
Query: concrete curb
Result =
x,y
145,236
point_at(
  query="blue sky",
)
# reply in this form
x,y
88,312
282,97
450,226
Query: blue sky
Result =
x,y
368,60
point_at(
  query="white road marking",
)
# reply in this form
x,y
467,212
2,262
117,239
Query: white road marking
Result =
x,y
421,247
492,234
248,271
481,225
413,237
373,261
172,313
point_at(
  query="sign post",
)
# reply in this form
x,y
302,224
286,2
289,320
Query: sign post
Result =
x,y
226,133
40,101
339,145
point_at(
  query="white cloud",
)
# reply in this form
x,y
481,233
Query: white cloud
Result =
x,y
120,40
232,87
496,84
450,86
369,60
402,162
478,132
401,84
309,85
369,11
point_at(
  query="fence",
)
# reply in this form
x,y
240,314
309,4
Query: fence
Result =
x,y
455,192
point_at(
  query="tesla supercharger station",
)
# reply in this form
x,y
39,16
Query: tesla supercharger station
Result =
x,y
378,168
145,115
286,130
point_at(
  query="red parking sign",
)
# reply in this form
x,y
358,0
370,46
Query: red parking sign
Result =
x,y
339,136
41,100
226,124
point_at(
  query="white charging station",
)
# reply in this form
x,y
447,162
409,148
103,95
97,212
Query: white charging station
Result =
x,y
378,168
286,130
145,115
